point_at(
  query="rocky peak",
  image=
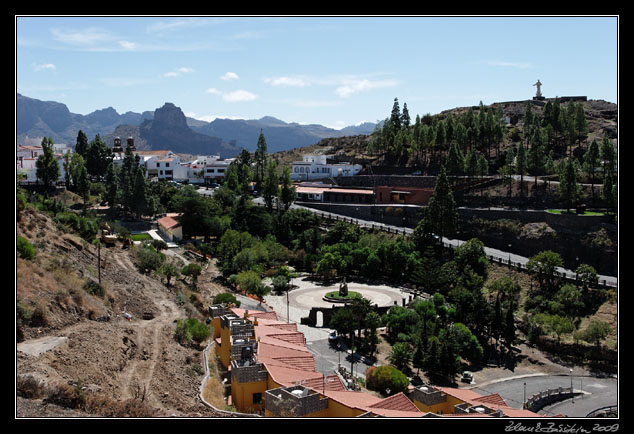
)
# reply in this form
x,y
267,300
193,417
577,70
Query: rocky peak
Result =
x,y
170,117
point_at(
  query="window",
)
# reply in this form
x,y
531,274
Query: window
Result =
x,y
257,398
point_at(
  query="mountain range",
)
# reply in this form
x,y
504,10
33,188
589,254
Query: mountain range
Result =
x,y
168,127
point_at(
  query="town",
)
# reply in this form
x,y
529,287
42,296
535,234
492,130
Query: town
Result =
x,y
331,221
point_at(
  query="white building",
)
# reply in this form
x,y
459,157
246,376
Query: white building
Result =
x,y
317,167
217,169
26,157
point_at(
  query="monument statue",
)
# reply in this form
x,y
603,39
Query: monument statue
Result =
x,y
343,288
539,92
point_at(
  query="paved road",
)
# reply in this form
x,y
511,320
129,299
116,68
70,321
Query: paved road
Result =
x,y
595,392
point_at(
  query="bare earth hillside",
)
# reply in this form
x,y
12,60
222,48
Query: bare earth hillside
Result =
x,y
75,338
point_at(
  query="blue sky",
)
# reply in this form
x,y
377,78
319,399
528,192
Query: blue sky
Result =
x,y
334,71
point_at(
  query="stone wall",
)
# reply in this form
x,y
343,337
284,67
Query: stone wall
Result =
x,y
283,401
246,372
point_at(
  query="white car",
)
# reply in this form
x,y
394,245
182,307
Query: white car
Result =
x,y
332,336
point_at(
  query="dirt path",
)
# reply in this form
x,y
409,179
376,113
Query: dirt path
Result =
x,y
152,339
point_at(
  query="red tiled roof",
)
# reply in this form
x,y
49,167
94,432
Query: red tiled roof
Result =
x,y
493,399
293,337
168,222
398,402
254,314
393,406
287,375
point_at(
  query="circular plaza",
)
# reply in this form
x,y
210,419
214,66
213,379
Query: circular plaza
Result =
x,y
307,294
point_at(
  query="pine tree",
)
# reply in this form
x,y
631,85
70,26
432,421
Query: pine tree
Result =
x,y
140,194
581,123
99,155
270,186
287,189
608,155
395,117
528,119
471,165
568,188
591,161
405,119
81,146
441,215
509,327
260,161
112,186
47,167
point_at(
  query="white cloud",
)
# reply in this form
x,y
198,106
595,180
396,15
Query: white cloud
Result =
x,y
177,72
209,118
337,125
345,85
230,76
44,66
85,37
289,81
354,85
233,96
238,96
127,45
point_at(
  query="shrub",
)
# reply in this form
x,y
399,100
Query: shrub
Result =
x,y
192,270
94,288
384,378
226,298
191,329
149,259
25,248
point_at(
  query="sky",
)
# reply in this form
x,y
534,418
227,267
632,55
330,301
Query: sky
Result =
x,y
330,70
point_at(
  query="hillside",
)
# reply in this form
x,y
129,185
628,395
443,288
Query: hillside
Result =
x,y
601,116
71,338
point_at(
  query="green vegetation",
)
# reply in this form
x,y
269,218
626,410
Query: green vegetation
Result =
x,y
570,212
386,379
349,296
141,237
25,248
226,298
191,329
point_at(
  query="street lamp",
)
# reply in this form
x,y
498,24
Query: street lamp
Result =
x,y
571,389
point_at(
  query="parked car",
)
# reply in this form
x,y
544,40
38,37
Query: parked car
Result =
x,y
332,336
467,377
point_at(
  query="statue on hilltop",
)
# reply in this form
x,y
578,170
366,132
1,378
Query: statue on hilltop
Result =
x,y
538,96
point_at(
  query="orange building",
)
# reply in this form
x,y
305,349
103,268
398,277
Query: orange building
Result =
x,y
403,195
272,371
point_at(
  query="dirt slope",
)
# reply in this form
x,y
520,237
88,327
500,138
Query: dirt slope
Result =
x,y
74,344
